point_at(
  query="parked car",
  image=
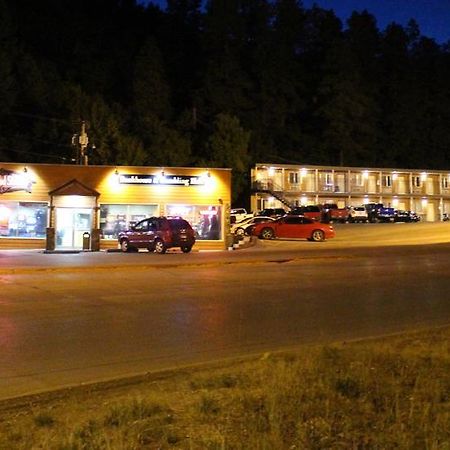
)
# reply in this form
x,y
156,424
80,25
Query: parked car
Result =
x,y
358,214
332,213
272,212
238,214
294,227
379,213
406,216
245,226
309,211
158,234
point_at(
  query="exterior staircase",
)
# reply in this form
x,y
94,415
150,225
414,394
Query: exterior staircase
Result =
x,y
267,186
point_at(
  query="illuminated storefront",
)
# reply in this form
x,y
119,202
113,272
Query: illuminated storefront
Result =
x,y
56,206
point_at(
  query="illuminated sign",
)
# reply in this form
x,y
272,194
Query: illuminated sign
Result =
x,y
168,180
11,181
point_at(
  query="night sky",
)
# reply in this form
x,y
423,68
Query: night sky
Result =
x,y
433,16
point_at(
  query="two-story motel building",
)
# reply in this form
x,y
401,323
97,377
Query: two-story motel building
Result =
x,y
427,192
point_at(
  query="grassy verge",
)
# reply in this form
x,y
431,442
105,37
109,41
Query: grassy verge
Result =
x,y
380,394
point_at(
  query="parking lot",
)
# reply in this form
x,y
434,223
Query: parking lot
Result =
x,y
354,237
376,235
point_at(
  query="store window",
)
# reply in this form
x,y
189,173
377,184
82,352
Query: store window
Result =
x,y
116,218
23,219
205,220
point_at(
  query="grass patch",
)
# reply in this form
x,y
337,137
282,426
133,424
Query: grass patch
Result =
x,y
379,394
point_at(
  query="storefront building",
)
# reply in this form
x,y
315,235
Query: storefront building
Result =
x,y
62,207
427,192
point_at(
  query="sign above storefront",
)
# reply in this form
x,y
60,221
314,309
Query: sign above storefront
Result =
x,y
11,181
168,180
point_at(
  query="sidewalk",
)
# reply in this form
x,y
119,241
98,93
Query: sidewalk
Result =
x,y
33,261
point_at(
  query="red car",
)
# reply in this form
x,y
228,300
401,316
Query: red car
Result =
x,y
294,227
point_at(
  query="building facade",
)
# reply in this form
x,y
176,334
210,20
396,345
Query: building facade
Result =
x,y
426,192
56,207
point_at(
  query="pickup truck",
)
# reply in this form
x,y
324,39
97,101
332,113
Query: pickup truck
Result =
x,y
331,213
377,212
238,214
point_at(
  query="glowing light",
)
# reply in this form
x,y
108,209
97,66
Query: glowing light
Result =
x,y
271,171
366,174
303,172
366,200
394,175
424,201
113,181
4,212
423,176
304,200
395,202
179,210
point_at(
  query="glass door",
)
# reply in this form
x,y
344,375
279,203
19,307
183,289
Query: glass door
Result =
x,y
71,223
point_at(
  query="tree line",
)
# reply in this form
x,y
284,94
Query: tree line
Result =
x,y
226,84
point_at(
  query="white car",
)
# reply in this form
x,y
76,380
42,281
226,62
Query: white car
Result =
x,y
358,214
239,214
244,226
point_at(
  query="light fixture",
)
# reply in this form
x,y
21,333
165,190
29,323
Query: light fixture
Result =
x,y
116,172
25,170
423,176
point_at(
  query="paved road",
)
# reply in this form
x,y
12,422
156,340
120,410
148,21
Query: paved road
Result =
x,y
65,327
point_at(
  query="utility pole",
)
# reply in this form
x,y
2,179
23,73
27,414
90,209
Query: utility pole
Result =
x,y
81,141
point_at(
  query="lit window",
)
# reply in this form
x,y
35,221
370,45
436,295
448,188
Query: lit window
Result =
x,y
206,220
23,219
293,177
117,218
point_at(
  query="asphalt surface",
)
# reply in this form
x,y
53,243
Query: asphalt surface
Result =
x,y
79,318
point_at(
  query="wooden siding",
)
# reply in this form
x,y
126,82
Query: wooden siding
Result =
x,y
103,179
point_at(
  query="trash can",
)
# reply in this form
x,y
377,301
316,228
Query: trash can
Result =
x,y
86,240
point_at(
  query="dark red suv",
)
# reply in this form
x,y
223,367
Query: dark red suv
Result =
x,y
157,234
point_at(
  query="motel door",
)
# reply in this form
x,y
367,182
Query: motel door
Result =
x,y
71,223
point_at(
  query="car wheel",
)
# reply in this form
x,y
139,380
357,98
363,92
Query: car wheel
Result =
x,y
317,236
160,247
267,233
124,246
239,232
186,249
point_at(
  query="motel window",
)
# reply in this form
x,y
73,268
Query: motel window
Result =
x,y
445,183
358,179
23,219
387,181
417,181
293,177
329,179
206,220
116,218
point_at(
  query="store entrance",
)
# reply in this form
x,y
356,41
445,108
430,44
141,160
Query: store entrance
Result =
x,y
71,223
